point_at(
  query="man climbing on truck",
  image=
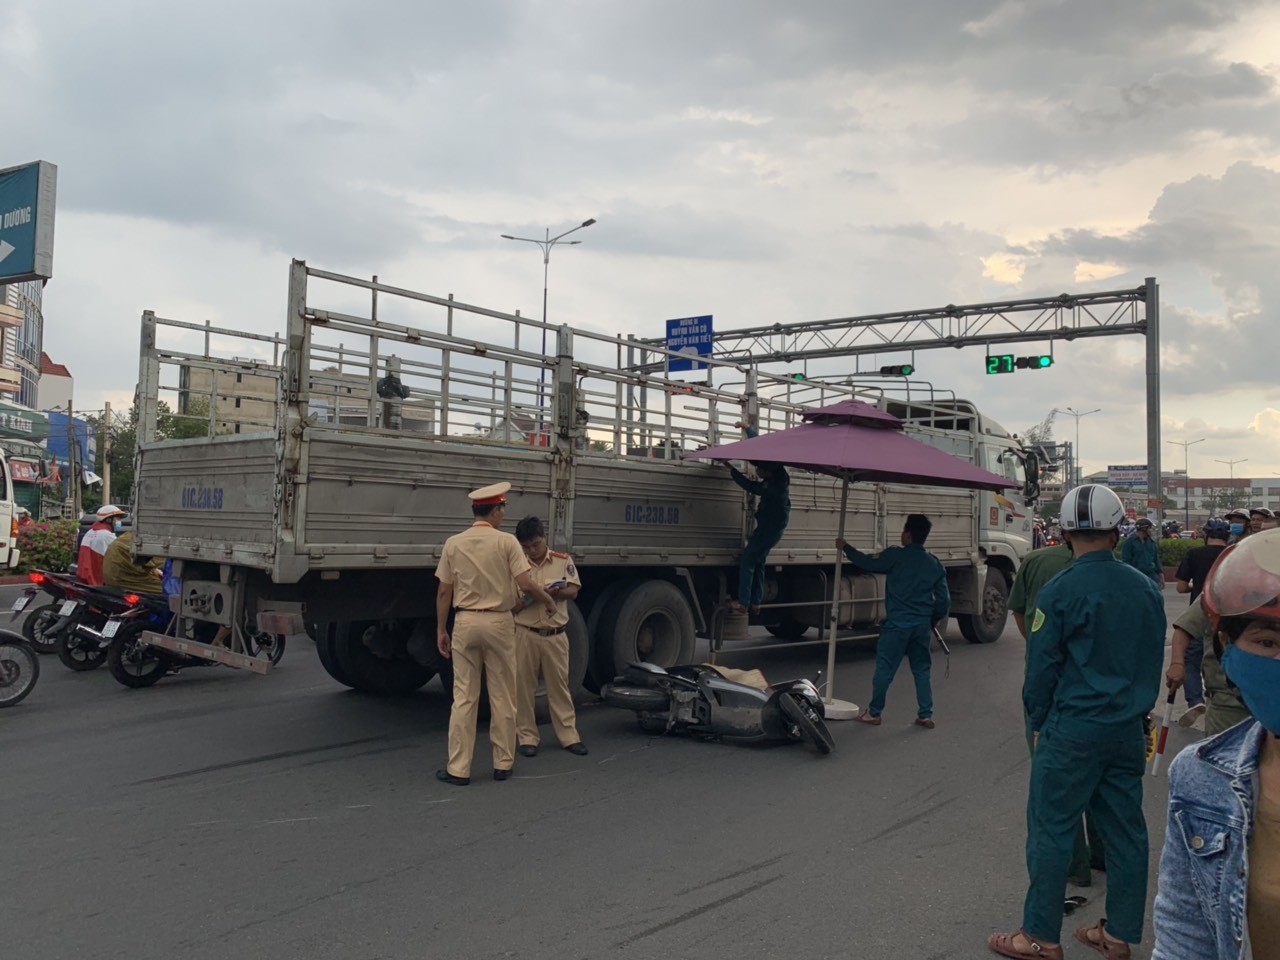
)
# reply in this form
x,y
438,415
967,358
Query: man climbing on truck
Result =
x,y
774,510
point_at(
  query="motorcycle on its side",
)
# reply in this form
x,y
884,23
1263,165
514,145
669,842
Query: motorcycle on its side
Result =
x,y
700,701
19,668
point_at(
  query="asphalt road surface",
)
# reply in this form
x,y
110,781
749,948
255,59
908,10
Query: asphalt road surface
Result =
x,y
221,814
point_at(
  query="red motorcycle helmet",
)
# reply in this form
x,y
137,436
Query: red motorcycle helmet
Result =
x,y
1245,580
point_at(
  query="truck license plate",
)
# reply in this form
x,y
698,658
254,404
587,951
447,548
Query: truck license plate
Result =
x,y
21,603
68,608
110,629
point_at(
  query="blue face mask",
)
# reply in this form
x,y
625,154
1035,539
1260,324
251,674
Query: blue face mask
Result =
x,y
1259,681
119,527
1237,528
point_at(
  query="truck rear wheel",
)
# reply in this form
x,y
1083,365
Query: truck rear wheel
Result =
x,y
987,625
324,649
600,646
653,624
366,671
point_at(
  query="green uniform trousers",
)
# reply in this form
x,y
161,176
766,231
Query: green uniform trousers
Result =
x,y
1087,852
1099,771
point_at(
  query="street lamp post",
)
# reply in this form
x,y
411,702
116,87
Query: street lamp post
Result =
x,y
1186,478
1231,467
1075,452
546,243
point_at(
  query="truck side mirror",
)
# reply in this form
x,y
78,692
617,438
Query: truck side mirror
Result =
x,y
1031,489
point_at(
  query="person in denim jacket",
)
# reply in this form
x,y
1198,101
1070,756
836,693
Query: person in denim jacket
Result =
x,y
1219,894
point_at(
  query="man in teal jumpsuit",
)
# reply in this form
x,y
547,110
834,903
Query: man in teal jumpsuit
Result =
x,y
772,513
1037,569
1143,554
916,598
1095,654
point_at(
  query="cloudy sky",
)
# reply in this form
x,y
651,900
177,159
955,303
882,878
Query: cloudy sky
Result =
x,y
754,160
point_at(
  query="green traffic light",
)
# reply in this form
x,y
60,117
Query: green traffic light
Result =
x,y
1044,361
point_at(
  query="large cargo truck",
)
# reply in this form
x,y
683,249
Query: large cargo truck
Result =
x,y
339,455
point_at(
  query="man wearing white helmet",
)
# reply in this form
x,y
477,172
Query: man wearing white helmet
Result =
x,y
1094,658
94,545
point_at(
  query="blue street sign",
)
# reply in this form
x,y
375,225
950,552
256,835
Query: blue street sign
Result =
x,y
27,196
691,335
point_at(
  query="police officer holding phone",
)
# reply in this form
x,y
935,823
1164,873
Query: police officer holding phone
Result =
x,y
542,643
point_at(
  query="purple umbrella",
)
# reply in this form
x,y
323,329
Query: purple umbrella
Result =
x,y
854,441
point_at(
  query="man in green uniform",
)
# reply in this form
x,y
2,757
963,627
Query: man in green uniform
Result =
x,y
1225,708
1093,672
916,598
1143,554
1039,567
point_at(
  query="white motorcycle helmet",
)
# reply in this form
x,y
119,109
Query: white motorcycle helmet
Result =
x,y
1091,507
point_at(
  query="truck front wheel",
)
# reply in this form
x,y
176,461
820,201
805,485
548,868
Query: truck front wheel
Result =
x,y
987,625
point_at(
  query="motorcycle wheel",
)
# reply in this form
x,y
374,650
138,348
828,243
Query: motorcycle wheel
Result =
x,y
79,658
270,645
644,699
133,663
19,668
38,621
812,728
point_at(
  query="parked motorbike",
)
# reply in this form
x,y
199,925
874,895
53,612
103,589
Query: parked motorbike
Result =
x,y
137,664
82,645
701,701
19,668
37,628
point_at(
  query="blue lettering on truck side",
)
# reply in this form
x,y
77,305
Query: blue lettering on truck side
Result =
x,y
202,498
647,513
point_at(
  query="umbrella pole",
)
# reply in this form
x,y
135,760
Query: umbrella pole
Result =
x,y
837,709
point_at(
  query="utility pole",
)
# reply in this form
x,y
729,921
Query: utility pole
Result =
x,y
106,452
73,471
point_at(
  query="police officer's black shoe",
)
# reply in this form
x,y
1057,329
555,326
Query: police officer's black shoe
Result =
x,y
579,748
528,749
444,776
501,774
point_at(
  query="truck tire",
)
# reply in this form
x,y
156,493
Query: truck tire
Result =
x,y
652,624
788,628
35,628
987,625
600,648
324,649
369,673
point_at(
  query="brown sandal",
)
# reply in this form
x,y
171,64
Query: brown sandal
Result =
x,y
1113,949
870,719
1002,943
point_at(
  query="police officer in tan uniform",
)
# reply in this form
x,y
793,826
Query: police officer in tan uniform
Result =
x,y
542,645
478,572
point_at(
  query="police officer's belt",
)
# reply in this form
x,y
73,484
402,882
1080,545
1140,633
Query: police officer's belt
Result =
x,y
546,631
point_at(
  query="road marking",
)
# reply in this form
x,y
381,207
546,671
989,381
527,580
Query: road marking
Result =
x,y
294,820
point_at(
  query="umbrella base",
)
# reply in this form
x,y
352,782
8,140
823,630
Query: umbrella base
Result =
x,y
837,709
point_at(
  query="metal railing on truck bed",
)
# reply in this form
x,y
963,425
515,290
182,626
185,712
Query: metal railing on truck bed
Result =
x,y
352,439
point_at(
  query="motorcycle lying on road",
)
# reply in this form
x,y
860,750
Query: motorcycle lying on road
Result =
x,y
135,663
19,668
701,701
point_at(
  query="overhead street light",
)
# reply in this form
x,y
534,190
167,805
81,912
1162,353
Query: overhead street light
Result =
x,y
546,243
1186,478
1075,451
1231,466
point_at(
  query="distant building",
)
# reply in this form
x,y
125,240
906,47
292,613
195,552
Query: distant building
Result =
x,y
57,386
246,402
22,323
